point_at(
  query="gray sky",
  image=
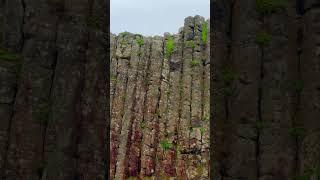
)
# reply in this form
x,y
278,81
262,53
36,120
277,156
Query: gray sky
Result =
x,y
154,17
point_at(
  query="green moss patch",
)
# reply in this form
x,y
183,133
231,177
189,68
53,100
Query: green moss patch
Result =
x,y
204,32
195,62
270,6
12,59
165,145
263,38
169,48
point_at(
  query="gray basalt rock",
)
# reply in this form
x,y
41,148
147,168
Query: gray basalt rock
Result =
x,y
160,106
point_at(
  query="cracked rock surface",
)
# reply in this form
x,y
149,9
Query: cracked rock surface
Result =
x,y
265,93
160,104
53,89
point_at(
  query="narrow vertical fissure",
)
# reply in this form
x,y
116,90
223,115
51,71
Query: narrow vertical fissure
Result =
x,y
229,58
297,137
125,85
168,102
191,87
181,91
23,5
300,7
203,90
146,88
158,116
190,101
259,120
53,68
259,110
7,144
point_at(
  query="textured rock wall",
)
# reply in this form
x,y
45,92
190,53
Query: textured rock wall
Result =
x,y
160,104
265,89
53,89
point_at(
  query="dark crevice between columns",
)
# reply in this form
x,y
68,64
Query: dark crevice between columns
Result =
x,y
229,58
181,91
23,4
300,7
158,116
145,99
259,121
167,100
125,85
190,101
53,69
7,144
297,105
191,87
259,110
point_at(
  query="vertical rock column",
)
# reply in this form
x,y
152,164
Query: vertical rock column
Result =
x,y
57,128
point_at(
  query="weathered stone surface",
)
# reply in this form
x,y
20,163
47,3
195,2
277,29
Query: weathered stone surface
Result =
x,y
53,96
264,90
160,105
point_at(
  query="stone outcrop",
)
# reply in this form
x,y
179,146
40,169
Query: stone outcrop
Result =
x,y
53,81
265,89
160,104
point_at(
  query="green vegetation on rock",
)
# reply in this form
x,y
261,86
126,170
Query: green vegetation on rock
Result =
x,y
206,117
195,62
263,38
297,132
270,6
165,145
202,130
204,32
140,41
124,34
142,124
11,58
190,44
169,47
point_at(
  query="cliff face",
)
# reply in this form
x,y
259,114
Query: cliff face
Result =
x,y
53,89
266,89
160,104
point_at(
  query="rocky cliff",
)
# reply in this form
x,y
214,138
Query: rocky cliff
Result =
x,y
160,104
265,89
53,82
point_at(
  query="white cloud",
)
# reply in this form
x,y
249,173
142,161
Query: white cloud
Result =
x,y
154,17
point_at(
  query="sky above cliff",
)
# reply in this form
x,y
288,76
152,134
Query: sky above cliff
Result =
x,y
154,17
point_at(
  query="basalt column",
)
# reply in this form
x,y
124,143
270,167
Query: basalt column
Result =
x,y
265,90
53,81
